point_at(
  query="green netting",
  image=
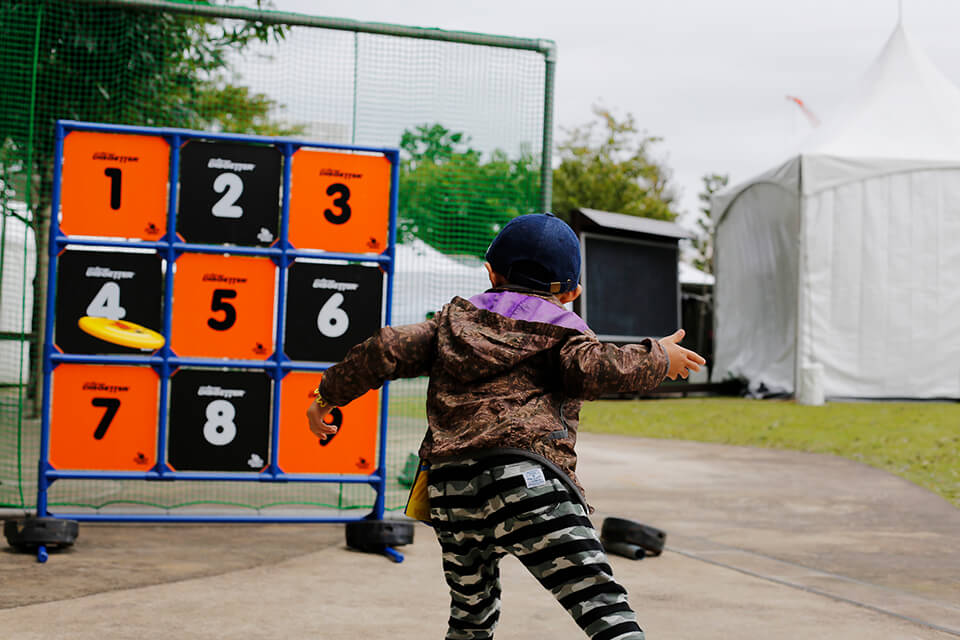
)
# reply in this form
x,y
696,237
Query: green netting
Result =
x,y
469,117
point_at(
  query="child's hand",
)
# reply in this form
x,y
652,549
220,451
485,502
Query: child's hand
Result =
x,y
682,361
315,416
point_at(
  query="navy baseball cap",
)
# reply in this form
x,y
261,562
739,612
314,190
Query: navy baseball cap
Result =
x,y
539,251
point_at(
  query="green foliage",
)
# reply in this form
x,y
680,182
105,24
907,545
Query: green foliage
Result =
x,y
117,65
113,64
915,440
455,199
611,170
703,241
233,108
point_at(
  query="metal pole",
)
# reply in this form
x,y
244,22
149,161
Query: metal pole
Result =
x,y
546,167
340,24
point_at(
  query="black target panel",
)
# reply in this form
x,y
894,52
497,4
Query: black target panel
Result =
x,y
119,286
330,308
229,193
219,421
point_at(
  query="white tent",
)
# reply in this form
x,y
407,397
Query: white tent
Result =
x,y
16,294
426,279
841,267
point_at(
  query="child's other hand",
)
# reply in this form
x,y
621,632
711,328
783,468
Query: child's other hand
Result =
x,y
682,360
315,416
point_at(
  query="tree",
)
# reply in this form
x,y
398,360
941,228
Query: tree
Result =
x,y
455,199
112,64
703,241
611,170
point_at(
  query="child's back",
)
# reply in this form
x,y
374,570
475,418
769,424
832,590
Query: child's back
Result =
x,y
509,370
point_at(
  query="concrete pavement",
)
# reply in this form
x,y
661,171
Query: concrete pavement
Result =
x,y
761,544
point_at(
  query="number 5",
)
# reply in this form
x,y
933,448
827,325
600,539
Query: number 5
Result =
x,y
229,311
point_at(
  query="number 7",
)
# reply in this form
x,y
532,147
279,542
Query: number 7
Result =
x,y
111,405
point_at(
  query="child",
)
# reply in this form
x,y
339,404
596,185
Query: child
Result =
x,y
509,370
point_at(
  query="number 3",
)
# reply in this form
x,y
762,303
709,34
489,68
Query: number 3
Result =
x,y
344,193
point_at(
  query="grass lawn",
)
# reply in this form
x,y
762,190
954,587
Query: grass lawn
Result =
x,y
919,441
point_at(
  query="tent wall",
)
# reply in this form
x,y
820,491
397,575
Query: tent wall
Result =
x,y
880,307
757,249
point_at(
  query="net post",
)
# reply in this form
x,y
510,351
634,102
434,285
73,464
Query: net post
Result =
x,y
549,51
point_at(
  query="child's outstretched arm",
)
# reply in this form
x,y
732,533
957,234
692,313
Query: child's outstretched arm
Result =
x,y
405,351
591,368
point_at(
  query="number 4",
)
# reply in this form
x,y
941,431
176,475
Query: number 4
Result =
x,y
106,304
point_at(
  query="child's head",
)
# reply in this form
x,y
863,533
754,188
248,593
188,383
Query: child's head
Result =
x,y
538,251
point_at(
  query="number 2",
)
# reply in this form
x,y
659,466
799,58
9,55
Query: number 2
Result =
x,y
225,207
115,176
111,405
229,311
344,193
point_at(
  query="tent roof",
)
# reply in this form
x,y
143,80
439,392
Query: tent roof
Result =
x,y
904,107
903,116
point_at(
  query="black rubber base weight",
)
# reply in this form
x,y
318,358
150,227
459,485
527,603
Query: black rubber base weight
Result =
x,y
26,534
622,530
374,535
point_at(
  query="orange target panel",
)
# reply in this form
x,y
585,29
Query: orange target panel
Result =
x,y
223,306
114,185
352,450
339,202
104,417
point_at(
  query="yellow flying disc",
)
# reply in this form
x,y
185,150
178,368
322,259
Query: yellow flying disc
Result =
x,y
126,334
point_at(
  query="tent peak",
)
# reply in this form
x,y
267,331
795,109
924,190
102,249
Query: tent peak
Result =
x,y
904,107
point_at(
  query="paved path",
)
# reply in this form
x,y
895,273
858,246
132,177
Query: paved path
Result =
x,y
761,544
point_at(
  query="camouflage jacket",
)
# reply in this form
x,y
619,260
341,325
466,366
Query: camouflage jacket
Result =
x,y
509,369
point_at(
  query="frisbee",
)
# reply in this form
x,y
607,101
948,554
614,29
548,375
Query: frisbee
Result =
x,y
125,334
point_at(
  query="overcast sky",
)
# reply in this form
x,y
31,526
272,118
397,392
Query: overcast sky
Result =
x,y
709,77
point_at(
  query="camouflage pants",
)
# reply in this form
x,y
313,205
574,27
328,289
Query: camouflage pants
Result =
x,y
483,510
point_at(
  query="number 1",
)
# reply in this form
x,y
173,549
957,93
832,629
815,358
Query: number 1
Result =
x,y
115,178
111,405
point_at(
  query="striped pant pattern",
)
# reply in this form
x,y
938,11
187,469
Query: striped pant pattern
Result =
x,y
483,510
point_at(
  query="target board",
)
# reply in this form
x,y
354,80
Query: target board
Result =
x,y
104,417
229,193
219,420
118,286
209,244
114,185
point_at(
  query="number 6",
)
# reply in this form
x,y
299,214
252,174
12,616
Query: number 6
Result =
x,y
332,321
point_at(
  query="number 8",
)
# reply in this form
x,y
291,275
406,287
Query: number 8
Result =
x,y
220,429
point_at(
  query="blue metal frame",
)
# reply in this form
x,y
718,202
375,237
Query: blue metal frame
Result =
x,y
165,362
